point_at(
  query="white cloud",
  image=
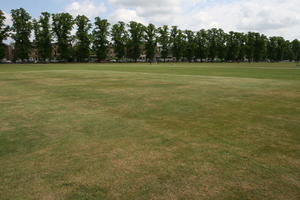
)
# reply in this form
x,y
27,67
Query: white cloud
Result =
x,y
86,7
125,15
271,17
154,11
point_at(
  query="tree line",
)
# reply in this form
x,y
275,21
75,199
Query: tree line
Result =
x,y
129,41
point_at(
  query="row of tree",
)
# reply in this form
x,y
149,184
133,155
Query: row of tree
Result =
x,y
133,39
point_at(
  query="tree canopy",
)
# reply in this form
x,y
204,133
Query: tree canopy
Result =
x,y
21,28
130,41
83,38
4,30
43,36
135,41
119,38
62,26
100,38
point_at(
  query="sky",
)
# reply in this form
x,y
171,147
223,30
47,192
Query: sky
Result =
x,y
270,17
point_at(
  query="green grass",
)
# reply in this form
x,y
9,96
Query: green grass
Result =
x,y
141,131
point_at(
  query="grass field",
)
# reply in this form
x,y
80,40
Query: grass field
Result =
x,y
141,131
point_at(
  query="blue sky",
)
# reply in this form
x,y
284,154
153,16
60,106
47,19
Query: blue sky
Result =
x,y
271,17
35,7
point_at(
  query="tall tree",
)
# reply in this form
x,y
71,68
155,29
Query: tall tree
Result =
x,y
3,34
100,38
150,41
190,45
250,46
164,41
83,39
176,38
212,36
272,49
221,44
288,53
296,49
282,47
233,46
43,36
260,50
135,42
62,27
242,52
119,38
21,28
201,42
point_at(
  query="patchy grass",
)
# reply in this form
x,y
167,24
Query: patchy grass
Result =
x,y
140,131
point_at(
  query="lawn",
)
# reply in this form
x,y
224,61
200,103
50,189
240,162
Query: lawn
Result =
x,y
141,131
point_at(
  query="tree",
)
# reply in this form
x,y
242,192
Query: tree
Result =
x,y
250,46
21,28
260,47
83,39
190,46
233,46
242,52
100,38
272,49
288,53
150,41
176,39
136,35
212,36
296,49
62,26
4,30
119,38
201,42
164,41
221,38
43,36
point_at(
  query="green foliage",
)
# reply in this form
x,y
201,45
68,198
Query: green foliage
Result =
x,y
212,36
21,28
233,46
119,38
288,53
164,41
242,42
212,45
256,49
221,44
83,39
135,42
272,48
296,49
190,45
176,39
202,45
4,30
100,38
150,41
260,47
62,26
279,49
250,46
43,36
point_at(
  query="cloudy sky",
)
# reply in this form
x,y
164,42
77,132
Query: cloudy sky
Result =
x,y
271,17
